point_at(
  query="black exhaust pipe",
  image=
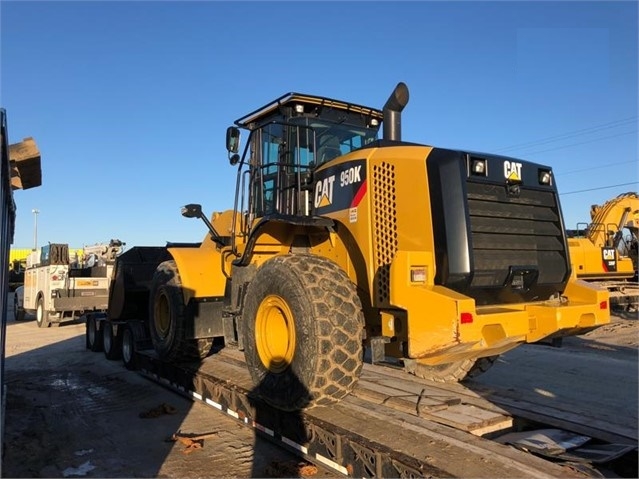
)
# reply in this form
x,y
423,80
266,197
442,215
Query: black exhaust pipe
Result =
x,y
393,112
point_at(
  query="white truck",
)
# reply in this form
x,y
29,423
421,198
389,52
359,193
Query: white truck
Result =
x,y
58,288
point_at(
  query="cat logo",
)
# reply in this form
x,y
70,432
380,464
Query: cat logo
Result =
x,y
324,192
609,257
512,170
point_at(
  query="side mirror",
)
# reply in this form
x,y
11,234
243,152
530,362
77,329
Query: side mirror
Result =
x,y
233,139
192,211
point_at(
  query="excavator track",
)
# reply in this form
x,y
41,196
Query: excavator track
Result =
x,y
390,426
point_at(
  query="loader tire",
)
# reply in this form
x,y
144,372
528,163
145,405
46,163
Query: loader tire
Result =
x,y
42,315
456,371
93,335
303,331
168,317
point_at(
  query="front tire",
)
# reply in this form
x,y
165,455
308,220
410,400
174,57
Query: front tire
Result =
x,y
42,316
303,331
168,318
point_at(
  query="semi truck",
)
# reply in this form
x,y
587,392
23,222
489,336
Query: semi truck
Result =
x,y
58,288
343,247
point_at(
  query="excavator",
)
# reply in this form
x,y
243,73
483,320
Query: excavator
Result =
x,y
605,251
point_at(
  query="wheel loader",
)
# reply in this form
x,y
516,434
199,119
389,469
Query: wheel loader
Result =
x,y
344,247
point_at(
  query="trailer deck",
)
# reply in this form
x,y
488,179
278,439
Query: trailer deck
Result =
x,y
389,427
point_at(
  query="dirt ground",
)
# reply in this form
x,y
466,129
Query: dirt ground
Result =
x,y
72,413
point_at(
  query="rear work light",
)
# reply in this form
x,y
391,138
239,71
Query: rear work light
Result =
x,y
478,166
545,177
603,305
418,274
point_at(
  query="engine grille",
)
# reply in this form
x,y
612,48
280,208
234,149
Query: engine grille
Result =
x,y
523,231
385,225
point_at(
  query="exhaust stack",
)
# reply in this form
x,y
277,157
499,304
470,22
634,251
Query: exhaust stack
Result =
x,y
393,112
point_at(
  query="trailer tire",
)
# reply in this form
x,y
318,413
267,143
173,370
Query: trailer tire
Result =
x,y
93,334
168,318
456,371
111,342
42,316
303,332
128,348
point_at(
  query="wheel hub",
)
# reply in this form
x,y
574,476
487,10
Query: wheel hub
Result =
x,y
162,316
275,334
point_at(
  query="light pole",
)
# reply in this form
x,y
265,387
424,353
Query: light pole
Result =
x,y
35,228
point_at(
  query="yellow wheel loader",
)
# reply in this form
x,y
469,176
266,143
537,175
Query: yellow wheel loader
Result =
x,y
343,247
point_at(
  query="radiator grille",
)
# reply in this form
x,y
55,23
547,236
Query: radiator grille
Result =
x,y
385,221
514,231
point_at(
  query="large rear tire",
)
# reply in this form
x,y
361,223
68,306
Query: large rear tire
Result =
x,y
168,318
42,316
454,372
303,332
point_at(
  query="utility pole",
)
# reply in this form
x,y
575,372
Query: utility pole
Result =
x,y
35,228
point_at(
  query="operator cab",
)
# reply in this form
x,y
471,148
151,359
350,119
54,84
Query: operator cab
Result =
x,y
289,139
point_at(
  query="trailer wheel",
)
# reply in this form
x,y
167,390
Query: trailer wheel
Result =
x,y
128,348
18,313
168,318
93,334
303,331
456,371
42,316
111,342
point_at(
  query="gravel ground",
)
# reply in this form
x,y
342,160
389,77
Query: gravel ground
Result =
x,y
72,413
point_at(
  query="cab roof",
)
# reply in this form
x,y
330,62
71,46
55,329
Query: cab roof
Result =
x,y
310,102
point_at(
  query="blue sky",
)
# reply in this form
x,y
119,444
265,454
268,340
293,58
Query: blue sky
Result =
x,y
129,101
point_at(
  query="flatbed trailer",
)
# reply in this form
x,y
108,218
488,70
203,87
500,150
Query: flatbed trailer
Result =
x,y
390,426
